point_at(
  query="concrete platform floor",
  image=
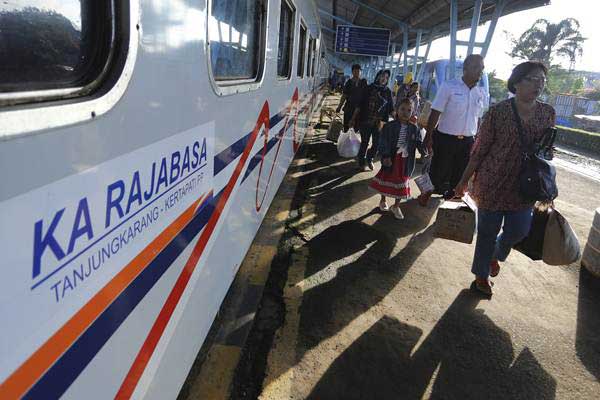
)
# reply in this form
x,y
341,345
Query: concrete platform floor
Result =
x,y
377,308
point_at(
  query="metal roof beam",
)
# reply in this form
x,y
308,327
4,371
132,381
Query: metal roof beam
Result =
x,y
425,11
381,14
380,9
466,43
335,17
356,13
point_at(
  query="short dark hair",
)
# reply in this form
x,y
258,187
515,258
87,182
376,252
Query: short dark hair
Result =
x,y
521,71
415,84
471,59
356,66
404,100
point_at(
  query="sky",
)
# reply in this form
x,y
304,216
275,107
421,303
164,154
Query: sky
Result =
x,y
585,11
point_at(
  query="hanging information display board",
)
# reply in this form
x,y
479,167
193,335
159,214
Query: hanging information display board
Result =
x,y
363,41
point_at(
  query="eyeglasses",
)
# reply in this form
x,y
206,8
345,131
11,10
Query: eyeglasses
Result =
x,y
535,79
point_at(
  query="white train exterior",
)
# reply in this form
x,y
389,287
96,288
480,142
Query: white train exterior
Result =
x,y
128,204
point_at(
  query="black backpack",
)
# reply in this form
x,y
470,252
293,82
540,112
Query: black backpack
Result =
x,y
537,178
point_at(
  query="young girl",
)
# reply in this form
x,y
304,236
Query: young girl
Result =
x,y
397,144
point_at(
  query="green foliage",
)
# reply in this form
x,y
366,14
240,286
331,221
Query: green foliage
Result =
x,y
561,81
498,89
579,138
578,85
544,41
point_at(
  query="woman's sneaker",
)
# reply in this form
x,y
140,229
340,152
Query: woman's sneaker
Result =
x,y
397,213
383,206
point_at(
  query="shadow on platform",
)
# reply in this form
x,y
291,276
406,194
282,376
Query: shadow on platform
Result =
x,y
587,342
466,356
332,303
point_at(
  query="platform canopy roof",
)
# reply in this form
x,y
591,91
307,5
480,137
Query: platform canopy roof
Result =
x,y
427,15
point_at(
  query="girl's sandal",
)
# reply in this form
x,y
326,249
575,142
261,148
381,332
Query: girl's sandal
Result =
x,y
397,212
383,206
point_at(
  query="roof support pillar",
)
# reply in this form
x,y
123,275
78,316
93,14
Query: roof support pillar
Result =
x,y
417,45
392,67
490,33
334,13
397,67
405,48
474,25
420,74
453,28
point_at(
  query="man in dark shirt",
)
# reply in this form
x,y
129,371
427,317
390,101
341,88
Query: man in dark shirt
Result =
x,y
371,114
354,90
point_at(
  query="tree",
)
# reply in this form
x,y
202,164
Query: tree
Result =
x,y
559,81
562,81
578,85
43,46
594,93
498,89
544,41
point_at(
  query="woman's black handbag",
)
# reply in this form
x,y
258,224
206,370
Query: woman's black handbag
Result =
x,y
533,244
537,179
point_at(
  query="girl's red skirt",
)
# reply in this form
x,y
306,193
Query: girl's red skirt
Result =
x,y
393,182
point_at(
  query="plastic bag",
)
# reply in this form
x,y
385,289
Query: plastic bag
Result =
x,y
348,144
561,246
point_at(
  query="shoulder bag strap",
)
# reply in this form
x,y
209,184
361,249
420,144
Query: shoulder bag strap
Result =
x,y
524,144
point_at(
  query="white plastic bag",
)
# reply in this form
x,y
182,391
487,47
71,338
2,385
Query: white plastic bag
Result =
x,y
348,144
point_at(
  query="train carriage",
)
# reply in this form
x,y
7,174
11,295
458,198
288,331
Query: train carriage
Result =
x,y
137,165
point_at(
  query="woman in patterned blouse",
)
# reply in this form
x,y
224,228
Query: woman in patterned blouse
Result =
x,y
496,163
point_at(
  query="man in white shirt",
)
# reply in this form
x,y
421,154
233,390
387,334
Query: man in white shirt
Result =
x,y
458,105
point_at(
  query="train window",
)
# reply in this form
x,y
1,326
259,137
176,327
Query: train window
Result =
x,y
312,56
45,45
301,50
286,40
236,30
315,58
309,59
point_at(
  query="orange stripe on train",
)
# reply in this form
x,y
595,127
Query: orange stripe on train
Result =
x,y
24,377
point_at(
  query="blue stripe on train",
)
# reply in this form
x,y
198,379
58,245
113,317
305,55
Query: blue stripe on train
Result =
x,y
224,158
67,368
270,144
